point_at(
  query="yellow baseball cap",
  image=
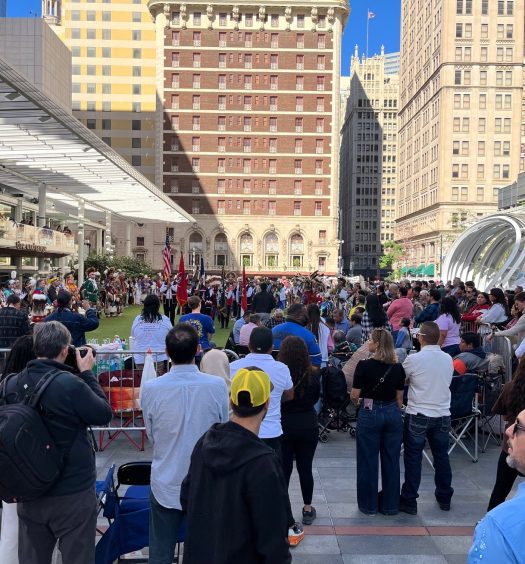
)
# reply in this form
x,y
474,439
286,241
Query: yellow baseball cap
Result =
x,y
255,382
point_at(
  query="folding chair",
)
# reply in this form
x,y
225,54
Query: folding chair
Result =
x,y
464,413
490,386
105,491
241,350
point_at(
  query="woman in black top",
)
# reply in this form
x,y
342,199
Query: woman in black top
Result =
x,y
378,388
299,420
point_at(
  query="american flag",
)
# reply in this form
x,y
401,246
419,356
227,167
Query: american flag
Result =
x,y
371,15
166,253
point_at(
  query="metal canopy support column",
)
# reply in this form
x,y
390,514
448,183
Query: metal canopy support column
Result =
x,y
108,247
128,239
43,263
81,236
19,215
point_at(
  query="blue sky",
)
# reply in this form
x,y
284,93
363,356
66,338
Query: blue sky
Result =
x,y
384,28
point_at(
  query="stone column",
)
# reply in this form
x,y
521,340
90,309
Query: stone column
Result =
x,y
128,239
17,261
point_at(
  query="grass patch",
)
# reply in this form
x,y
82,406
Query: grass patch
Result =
x,y
121,326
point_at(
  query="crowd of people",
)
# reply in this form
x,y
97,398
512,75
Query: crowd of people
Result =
x,y
225,434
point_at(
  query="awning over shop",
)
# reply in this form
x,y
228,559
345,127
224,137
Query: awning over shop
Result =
x,y
429,270
41,143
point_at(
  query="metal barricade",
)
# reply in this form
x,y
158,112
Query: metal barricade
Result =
x,y
120,377
503,347
469,327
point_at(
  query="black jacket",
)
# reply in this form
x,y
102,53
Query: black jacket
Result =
x,y
77,324
263,302
235,492
13,324
70,404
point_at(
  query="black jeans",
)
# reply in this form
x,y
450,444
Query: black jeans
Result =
x,y
169,309
505,478
69,519
302,444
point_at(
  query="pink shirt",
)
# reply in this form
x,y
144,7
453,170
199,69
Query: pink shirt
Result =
x,y
246,331
402,307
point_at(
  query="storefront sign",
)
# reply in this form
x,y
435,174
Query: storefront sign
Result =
x,y
30,247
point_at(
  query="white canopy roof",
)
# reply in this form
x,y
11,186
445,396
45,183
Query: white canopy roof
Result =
x,y
40,142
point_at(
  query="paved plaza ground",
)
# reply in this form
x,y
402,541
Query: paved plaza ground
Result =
x,y
343,535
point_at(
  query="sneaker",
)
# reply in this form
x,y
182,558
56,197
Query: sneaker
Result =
x,y
295,534
410,509
309,516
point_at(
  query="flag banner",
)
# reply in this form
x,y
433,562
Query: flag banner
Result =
x,y
371,15
166,253
202,273
244,297
182,286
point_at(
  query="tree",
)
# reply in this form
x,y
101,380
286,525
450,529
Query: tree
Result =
x,y
391,259
130,266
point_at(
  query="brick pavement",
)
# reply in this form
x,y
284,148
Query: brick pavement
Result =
x,y
343,535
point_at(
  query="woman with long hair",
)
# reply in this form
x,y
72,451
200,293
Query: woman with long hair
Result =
x,y
517,329
479,308
499,309
149,331
19,355
299,420
374,317
321,331
449,326
378,389
509,404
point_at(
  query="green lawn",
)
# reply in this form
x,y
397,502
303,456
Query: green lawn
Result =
x,y
121,326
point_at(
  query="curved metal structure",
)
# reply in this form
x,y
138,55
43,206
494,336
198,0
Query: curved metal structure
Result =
x,y
491,252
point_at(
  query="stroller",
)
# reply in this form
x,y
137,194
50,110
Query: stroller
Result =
x,y
335,401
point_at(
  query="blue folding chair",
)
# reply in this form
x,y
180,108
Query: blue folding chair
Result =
x,y
105,492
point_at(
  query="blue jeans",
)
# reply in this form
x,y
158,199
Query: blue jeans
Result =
x,y
419,428
379,435
164,529
452,350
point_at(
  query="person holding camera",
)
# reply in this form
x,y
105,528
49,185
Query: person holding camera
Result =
x,y
67,511
76,323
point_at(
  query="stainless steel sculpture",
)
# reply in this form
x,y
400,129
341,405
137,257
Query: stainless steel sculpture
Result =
x,y
491,252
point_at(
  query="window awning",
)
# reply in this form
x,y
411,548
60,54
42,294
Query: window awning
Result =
x,y
40,142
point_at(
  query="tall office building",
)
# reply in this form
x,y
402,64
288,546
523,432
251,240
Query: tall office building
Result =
x,y
114,92
369,162
461,123
248,130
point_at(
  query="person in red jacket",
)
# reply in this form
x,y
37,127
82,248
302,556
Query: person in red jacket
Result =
x,y
482,304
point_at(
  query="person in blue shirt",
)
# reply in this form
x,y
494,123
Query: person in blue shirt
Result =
x,y
238,324
500,535
203,324
296,321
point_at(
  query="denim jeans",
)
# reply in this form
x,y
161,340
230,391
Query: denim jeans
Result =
x,y
419,428
379,434
164,527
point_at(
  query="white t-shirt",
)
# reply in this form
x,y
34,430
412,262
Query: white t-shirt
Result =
x,y
150,336
280,378
430,374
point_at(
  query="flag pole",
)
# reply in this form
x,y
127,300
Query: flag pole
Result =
x,y
367,24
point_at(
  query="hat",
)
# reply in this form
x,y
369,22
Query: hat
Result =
x,y
255,382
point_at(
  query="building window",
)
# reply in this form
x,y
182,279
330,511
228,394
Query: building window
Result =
x,y
297,208
136,160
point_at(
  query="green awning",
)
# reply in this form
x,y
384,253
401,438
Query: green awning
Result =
x,y
420,270
429,270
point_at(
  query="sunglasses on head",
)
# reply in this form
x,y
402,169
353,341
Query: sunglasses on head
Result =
x,y
517,427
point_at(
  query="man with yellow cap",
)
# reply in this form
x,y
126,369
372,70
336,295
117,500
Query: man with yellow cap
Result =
x,y
235,491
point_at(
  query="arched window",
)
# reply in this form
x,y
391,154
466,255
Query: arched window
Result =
x,y
220,250
296,251
195,250
246,248
271,250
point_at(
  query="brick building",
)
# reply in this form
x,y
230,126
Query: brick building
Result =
x,y
247,138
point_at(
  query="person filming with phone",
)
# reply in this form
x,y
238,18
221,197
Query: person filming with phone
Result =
x,y
62,508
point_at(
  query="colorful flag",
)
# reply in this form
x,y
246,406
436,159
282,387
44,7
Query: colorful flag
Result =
x,y
182,286
166,253
371,15
244,297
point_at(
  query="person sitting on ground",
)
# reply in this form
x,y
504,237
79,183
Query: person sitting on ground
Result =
x,y
246,330
500,535
355,334
77,324
472,357
276,319
235,489
245,318
203,324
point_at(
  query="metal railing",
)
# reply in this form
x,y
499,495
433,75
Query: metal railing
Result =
x,y
29,237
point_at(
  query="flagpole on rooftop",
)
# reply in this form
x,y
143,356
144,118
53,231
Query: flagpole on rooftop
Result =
x,y
367,24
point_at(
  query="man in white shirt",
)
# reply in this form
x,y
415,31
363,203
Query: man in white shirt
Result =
x,y
178,409
261,346
429,374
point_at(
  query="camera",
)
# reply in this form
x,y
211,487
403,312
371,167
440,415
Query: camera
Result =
x,y
71,358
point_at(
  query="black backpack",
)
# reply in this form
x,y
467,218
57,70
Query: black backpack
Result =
x,y
30,462
335,388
